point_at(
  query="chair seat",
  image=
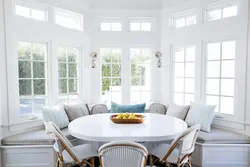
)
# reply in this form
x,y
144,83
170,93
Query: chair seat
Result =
x,y
83,151
161,150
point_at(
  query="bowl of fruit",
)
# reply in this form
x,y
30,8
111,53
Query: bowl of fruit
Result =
x,y
127,118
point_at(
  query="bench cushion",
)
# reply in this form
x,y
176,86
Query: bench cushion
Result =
x,y
37,137
221,136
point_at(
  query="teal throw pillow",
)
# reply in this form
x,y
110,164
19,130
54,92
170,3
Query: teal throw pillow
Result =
x,y
118,108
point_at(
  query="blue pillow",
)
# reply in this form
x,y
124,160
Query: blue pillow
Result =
x,y
137,108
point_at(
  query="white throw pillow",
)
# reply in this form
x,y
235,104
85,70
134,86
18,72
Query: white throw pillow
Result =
x,y
177,111
201,114
57,115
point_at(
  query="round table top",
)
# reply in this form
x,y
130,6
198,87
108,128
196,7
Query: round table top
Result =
x,y
156,127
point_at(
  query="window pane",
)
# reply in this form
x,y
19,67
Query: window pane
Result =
x,y
190,54
106,70
116,84
180,22
116,55
213,69
24,68
227,87
135,97
189,72
62,54
116,26
189,85
230,11
191,20
136,82
38,70
38,14
227,105
26,106
135,26
179,98
106,83
69,19
105,26
24,50
227,69
179,84
106,58
189,98
72,70
214,15
72,54
179,55
25,88
228,50
145,26
213,51
179,70
22,11
62,70
63,86
145,97
116,70
39,51
213,100
72,85
39,86
213,86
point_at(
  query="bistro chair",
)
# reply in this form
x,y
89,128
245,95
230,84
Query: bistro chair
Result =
x,y
179,151
68,154
123,154
99,109
157,108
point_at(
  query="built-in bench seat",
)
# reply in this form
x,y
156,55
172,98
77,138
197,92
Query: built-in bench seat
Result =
x,y
212,148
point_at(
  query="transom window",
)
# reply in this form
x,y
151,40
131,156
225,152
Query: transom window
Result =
x,y
111,74
32,13
32,69
110,25
140,75
69,19
184,75
221,13
220,70
184,21
140,26
68,73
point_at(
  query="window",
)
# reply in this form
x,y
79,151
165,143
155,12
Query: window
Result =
x,y
111,74
184,21
68,73
32,69
220,71
221,13
140,75
27,12
140,26
184,75
110,25
69,19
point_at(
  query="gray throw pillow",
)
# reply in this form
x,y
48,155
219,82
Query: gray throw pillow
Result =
x,y
178,111
75,111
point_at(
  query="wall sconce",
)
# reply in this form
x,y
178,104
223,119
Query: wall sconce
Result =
x,y
93,55
158,55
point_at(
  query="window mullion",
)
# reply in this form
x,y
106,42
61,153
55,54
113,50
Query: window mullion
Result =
x,y
220,78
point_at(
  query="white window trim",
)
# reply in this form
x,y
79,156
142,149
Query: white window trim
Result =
x,y
183,14
141,20
110,20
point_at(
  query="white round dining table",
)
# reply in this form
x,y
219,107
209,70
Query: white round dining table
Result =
x,y
99,127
